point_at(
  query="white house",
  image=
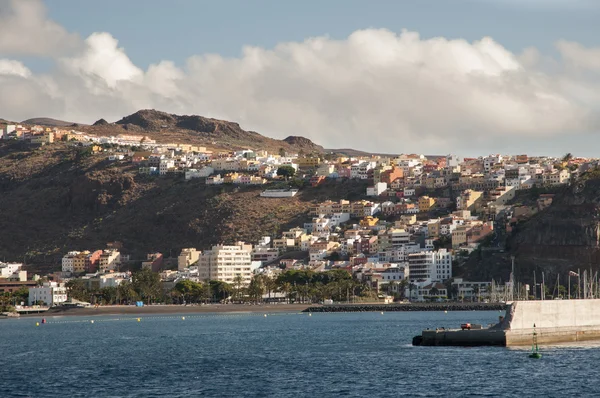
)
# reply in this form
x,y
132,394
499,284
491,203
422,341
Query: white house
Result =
x,y
377,189
8,269
51,293
199,173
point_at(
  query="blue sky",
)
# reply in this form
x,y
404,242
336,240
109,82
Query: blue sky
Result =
x,y
152,30
428,76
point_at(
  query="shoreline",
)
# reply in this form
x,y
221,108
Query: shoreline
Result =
x,y
169,309
262,308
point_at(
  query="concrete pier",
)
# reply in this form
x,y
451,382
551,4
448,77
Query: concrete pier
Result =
x,y
556,321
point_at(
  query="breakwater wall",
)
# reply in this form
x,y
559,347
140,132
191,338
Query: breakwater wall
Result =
x,y
408,307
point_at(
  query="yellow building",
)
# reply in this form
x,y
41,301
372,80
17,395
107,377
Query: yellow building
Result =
x,y
468,199
433,228
369,221
426,203
231,178
308,162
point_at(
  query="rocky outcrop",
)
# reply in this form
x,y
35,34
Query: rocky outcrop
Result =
x,y
564,236
100,122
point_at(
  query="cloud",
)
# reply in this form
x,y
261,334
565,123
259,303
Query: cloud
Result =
x,y
25,30
10,67
375,90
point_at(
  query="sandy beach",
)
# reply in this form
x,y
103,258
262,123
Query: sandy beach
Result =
x,y
170,309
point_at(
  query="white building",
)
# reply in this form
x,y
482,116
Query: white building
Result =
x,y
199,173
67,261
8,269
433,266
51,293
377,189
224,263
396,273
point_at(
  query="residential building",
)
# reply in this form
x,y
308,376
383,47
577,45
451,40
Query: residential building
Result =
x,y
434,266
50,293
468,200
187,257
426,203
224,263
109,260
154,261
308,162
8,269
377,189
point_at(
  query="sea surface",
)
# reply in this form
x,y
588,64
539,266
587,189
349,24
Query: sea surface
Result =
x,y
280,355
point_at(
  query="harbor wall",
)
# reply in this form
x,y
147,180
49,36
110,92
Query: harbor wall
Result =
x,y
553,314
524,337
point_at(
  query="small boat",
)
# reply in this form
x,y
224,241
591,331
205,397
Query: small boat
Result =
x,y
535,350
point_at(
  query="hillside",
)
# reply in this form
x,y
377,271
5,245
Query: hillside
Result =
x,y
193,129
46,121
60,198
563,237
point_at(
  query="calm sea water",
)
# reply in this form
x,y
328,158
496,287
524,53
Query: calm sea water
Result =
x,y
282,355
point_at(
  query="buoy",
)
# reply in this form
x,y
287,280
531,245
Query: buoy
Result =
x,y
445,312
381,312
183,318
37,324
309,314
265,315
139,320
92,321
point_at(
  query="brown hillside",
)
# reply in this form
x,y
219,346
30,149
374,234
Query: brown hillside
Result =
x,y
59,198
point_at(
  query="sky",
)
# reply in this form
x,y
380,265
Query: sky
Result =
x,y
469,77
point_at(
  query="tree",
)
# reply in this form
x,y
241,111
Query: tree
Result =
x,y
568,156
220,290
286,171
126,292
189,290
109,294
256,288
77,289
238,281
147,284
282,152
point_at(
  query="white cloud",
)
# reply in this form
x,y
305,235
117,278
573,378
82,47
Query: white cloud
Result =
x,y
9,67
25,30
376,90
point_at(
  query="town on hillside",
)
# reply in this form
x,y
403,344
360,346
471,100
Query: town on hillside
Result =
x,y
421,219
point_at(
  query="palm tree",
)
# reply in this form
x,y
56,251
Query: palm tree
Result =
x,y
391,287
238,281
402,287
411,287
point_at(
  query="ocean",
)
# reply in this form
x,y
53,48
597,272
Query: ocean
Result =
x,y
281,355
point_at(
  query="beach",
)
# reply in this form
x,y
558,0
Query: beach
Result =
x,y
171,309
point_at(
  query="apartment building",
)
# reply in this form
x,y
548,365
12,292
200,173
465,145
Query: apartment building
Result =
x,y
187,257
224,263
434,266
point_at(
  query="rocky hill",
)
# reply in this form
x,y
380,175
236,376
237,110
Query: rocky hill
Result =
x,y
563,237
60,198
46,121
193,129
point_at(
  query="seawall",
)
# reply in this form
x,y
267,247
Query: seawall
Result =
x,y
556,321
409,307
